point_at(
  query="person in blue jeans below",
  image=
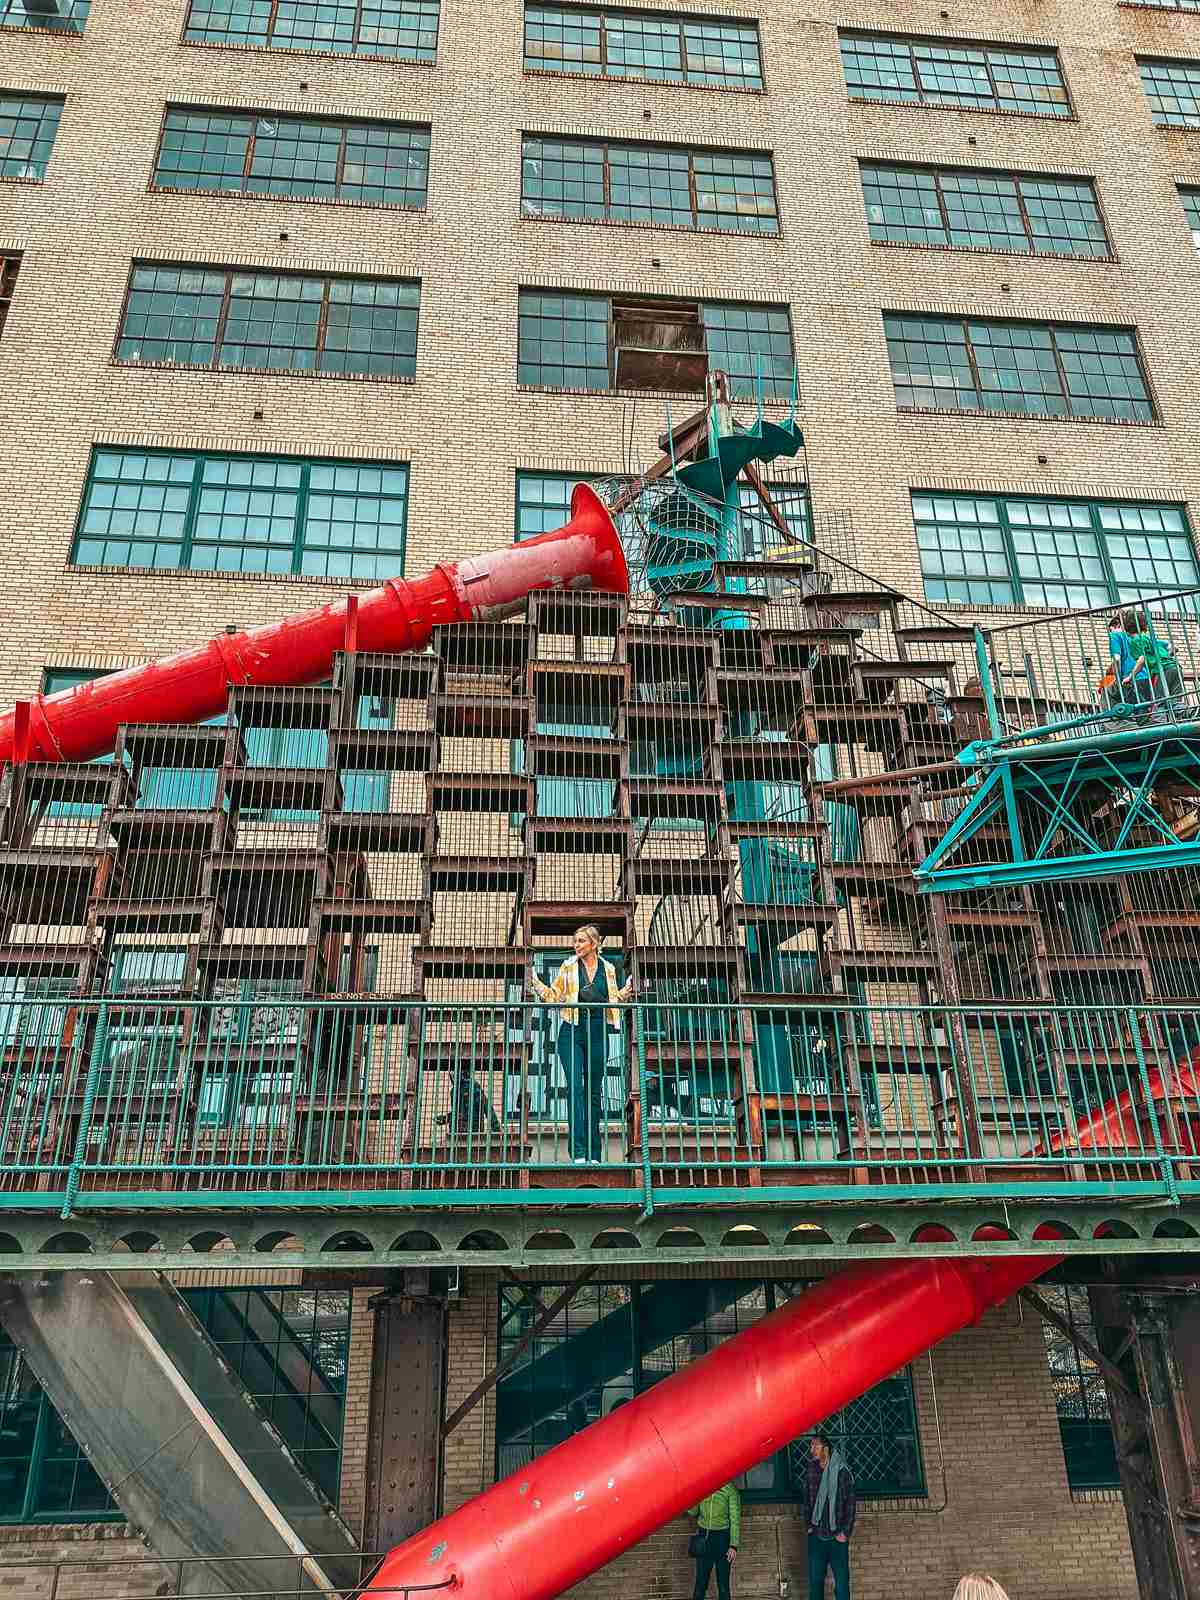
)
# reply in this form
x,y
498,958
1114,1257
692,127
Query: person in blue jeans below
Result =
x,y
830,1505
583,1038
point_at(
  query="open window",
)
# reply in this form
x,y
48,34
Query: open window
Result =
x,y
658,344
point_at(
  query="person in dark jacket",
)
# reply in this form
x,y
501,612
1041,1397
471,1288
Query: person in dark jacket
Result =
x,y
830,1505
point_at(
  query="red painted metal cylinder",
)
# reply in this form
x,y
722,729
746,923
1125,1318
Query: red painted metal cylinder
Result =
x,y
546,1527
77,724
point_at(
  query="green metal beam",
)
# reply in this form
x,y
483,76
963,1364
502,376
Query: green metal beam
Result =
x,y
481,1201
753,1258
1056,869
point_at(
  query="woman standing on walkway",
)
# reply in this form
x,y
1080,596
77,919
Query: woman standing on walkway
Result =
x,y
583,1038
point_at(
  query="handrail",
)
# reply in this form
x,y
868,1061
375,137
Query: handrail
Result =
x,y
1039,614
435,1099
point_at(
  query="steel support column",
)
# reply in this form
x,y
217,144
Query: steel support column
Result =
x,y
1155,1344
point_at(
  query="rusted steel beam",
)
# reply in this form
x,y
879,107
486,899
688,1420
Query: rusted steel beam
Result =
x,y
517,1351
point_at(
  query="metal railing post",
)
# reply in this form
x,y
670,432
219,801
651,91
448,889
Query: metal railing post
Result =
x,y
90,1086
1164,1160
643,1111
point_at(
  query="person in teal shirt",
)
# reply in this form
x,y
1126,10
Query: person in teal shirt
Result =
x,y
1131,678
720,1515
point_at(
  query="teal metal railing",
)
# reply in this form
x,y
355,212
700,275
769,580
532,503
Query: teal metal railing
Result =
x,y
1049,676
148,1102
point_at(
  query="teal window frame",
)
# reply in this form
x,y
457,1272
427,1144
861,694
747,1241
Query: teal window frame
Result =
x,y
223,319
1080,1397
650,46
567,342
1029,550
861,1429
1071,371
648,185
964,74
317,27
1190,201
217,511
28,128
36,1446
1173,89
70,17
323,1332
336,160
967,208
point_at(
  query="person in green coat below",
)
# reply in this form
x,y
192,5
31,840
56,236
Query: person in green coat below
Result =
x,y
720,1515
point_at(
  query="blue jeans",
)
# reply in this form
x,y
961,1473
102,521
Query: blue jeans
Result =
x,y
715,1559
583,1051
823,1554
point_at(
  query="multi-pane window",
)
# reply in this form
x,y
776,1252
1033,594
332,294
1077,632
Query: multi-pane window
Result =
x,y
1173,90
616,1340
10,265
404,30
759,538
290,1348
308,158
1191,206
944,208
667,185
340,520
594,341
44,1475
270,321
28,123
979,550
1084,1417
1166,5
60,16
948,72
643,44
1023,368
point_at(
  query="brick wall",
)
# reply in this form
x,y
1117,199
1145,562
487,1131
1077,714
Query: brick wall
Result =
x,y
998,1498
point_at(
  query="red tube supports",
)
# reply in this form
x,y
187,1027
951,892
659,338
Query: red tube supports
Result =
x,y
80,723
542,1529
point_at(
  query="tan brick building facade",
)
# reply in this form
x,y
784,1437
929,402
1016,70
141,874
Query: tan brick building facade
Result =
x,y
998,1495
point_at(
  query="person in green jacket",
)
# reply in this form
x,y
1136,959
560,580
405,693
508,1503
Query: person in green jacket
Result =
x,y
720,1515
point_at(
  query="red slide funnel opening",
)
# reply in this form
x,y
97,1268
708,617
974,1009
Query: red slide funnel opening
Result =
x,y
585,553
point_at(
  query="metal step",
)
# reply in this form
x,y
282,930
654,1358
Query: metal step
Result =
x,y
185,1452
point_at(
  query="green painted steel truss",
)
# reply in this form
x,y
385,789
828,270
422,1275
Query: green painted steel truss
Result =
x,y
1066,809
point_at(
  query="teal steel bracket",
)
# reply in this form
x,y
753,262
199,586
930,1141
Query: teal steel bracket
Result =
x,y
90,1088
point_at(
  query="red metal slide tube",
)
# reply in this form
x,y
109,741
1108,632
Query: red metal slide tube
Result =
x,y
546,1527
77,724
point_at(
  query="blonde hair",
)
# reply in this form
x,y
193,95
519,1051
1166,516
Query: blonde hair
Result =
x,y
592,932
975,1586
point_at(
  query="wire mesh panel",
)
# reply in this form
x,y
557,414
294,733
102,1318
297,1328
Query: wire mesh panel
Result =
x,y
299,945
